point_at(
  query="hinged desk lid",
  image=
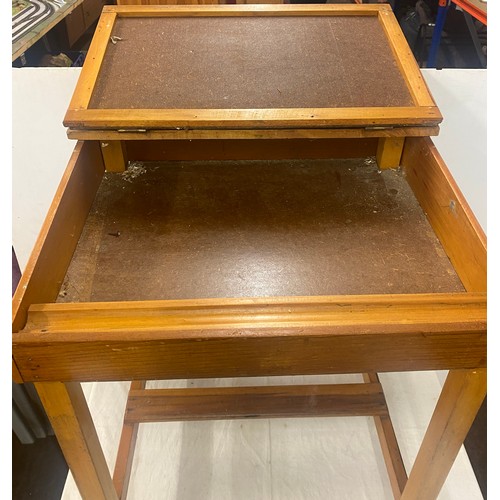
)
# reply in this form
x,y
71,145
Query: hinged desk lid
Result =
x,y
250,67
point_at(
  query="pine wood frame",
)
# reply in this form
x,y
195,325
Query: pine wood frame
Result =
x,y
58,345
79,116
390,123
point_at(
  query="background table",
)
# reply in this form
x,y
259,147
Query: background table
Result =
x,y
32,23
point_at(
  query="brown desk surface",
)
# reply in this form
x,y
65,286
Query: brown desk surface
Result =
x,y
256,228
249,62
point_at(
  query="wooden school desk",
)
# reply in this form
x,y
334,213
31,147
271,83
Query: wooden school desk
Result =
x,y
245,255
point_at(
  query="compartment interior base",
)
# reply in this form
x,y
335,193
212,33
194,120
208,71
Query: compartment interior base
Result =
x,y
216,229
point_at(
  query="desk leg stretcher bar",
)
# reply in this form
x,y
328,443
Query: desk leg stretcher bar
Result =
x,y
59,345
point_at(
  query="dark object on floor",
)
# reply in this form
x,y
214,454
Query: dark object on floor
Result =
x,y
38,470
16,272
476,444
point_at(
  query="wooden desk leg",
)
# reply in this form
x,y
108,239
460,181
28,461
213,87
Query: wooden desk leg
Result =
x,y
114,154
389,445
389,151
126,449
461,397
71,420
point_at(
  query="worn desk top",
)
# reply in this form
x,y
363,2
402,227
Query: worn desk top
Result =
x,y
248,66
206,229
249,62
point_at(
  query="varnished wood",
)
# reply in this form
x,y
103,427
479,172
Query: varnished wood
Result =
x,y
55,320
80,118
389,152
246,10
54,247
126,448
250,118
465,243
71,420
16,375
458,404
93,61
164,405
389,445
406,60
289,134
450,215
114,154
252,337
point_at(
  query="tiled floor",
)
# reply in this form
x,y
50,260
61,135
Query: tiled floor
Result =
x,y
39,470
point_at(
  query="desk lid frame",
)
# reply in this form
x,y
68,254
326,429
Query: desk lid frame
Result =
x,y
81,118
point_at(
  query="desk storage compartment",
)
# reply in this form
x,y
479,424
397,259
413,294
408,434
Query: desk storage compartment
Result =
x,y
256,267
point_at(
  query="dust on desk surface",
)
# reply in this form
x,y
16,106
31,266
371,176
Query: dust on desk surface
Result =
x,y
196,229
249,62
